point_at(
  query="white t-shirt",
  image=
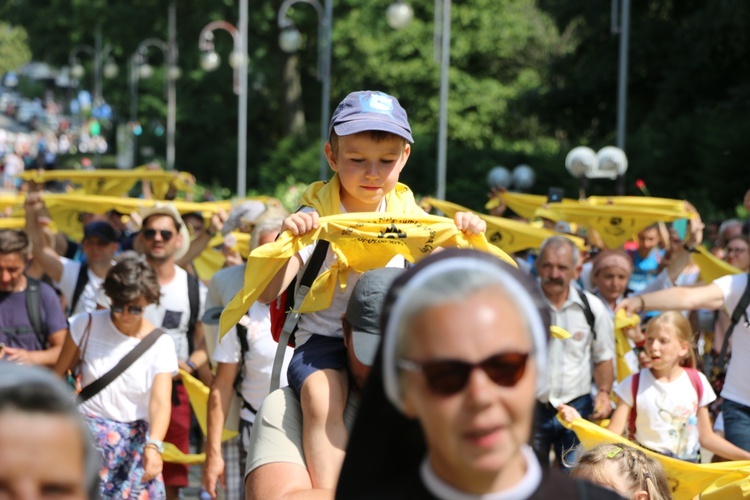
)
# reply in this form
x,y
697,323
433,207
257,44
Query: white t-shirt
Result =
x,y
173,312
127,397
256,373
737,382
667,419
67,285
327,322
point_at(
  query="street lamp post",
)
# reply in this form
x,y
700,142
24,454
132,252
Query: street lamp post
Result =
x,y
210,60
102,63
399,16
522,177
582,162
290,40
622,78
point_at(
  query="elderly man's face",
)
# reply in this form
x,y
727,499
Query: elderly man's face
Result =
x,y
556,268
480,429
611,282
41,456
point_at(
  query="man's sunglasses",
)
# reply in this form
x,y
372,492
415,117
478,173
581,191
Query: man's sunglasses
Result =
x,y
134,310
150,234
448,377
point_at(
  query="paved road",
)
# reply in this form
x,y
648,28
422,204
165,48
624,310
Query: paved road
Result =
x,y
11,125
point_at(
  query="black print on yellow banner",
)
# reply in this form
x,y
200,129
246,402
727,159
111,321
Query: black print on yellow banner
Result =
x,y
392,232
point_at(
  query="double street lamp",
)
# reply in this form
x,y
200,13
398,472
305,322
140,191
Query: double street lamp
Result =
x,y
608,163
103,63
290,41
210,60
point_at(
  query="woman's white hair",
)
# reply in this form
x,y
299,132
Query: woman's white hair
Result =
x,y
453,280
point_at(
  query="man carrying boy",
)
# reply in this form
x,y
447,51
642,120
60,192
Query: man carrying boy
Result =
x,y
369,144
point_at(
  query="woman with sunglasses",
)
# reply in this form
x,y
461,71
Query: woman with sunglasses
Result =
x,y
129,417
450,406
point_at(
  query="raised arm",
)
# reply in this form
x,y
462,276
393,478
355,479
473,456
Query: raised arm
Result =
x,y
680,298
43,253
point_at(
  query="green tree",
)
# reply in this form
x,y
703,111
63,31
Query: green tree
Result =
x,y
14,47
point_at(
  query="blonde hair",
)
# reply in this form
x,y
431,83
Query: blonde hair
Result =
x,y
682,328
638,471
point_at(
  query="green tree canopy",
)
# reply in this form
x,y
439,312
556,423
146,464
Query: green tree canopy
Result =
x,y
14,47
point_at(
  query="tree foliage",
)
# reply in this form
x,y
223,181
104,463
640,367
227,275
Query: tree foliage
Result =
x,y
14,47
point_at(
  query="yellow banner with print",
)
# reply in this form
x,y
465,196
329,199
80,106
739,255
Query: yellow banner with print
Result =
x,y
733,485
686,479
523,204
638,201
616,224
711,266
509,235
361,242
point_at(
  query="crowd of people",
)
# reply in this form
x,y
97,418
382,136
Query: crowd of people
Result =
x,y
422,374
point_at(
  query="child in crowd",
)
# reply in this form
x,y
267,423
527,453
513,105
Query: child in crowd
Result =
x,y
670,399
625,469
369,143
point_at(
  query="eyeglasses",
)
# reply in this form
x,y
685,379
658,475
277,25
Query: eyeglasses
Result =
x,y
448,377
134,310
736,250
150,234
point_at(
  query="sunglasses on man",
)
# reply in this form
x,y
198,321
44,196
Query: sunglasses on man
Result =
x,y
150,234
134,310
449,376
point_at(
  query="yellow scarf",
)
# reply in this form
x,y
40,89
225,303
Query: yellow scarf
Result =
x,y
623,351
711,266
361,242
686,479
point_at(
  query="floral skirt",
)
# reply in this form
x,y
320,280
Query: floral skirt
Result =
x,y
121,445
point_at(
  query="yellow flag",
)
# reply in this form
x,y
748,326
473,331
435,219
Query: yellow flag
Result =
x,y
733,485
524,204
12,222
174,455
685,479
711,267
361,242
638,201
198,395
623,350
616,224
509,235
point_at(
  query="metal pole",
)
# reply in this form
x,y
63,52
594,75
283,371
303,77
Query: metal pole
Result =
x,y
171,90
134,105
622,89
242,111
443,120
98,66
325,100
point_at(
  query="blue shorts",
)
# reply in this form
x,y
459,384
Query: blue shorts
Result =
x,y
318,353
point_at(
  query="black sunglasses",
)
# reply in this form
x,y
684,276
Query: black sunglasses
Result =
x,y
449,376
134,310
150,234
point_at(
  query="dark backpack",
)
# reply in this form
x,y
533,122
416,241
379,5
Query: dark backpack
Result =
x,y
695,379
739,311
194,299
81,281
587,312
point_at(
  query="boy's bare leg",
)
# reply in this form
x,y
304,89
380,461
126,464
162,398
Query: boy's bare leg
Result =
x,y
324,436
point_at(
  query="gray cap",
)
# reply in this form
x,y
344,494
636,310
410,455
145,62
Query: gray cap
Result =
x,y
364,309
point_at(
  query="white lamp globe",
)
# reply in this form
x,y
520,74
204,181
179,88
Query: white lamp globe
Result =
x,y
399,15
581,161
612,161
110,69
210,60
77,71
523,176
145,71
236,59
499,177
290,40
174,72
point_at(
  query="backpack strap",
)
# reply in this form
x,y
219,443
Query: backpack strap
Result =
x,y
695,379
83,279
737,314
587,312
99,384
244,347
194,299
634,382
311,271
34,308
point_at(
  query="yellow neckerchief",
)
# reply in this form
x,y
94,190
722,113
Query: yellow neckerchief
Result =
x,y
361,242
686,480
622,346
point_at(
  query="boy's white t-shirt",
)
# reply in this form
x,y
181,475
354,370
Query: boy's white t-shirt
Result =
x,y
126,398
256,374
667,419
327,322
67,285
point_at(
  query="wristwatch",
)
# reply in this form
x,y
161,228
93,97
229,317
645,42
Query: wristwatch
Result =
x,y
158,444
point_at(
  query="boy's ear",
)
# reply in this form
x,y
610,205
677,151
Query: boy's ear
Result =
x,y
330,156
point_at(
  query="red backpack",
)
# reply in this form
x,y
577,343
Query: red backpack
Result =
x,y
694,377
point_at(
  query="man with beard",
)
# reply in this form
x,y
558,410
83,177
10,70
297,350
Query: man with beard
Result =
x,y
570,361
164,239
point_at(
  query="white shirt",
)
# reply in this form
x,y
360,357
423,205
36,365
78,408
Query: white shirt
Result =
x,y
256,372
126,398
67,285
666,419
173,312
737,382
569,367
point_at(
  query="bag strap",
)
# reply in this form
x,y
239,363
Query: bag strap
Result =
x,y
194,299
634,382
290,323
85,340
34,308
695,379
736,316
83,279
587,312
97,385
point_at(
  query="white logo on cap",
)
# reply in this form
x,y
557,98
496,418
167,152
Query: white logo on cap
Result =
x,y
381,102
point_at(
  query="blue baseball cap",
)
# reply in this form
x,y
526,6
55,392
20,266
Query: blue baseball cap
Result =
x,y
370,110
